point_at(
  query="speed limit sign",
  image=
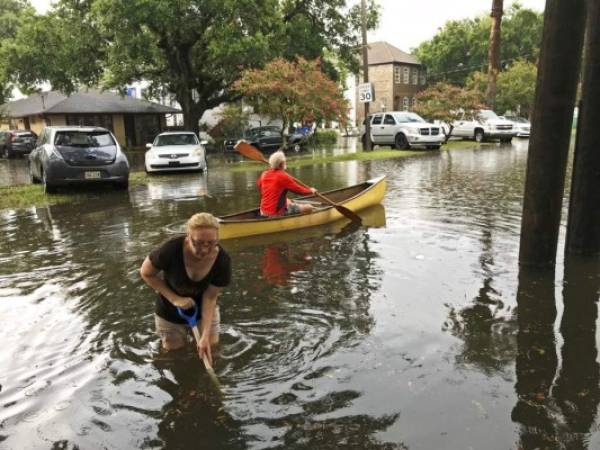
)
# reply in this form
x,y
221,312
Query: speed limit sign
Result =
x,y
365,93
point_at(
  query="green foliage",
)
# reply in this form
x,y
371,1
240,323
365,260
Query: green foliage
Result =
x,y
325,136
234,120
293,92
515,87
461,47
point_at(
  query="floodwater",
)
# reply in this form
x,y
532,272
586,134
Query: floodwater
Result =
x,y
414,332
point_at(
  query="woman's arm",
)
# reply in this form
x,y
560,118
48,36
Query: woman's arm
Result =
x,y
149,274
209,303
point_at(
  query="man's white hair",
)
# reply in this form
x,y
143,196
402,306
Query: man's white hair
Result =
x,y
277,160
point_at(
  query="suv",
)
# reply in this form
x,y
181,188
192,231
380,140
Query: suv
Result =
x,y
403,130
16,142
66,155
268,139
483,124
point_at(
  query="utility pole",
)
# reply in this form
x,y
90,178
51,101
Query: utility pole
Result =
x,y
494,52
558,75
583,229
365,57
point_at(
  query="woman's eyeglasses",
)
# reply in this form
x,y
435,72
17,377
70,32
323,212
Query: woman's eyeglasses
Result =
x,y
205,244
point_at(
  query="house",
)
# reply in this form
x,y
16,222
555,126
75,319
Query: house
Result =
x,y
397,77
134,122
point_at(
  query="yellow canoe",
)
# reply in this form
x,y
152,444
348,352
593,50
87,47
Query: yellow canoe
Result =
x,y
355,198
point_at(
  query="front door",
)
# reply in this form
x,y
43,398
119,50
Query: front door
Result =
x,y
377,128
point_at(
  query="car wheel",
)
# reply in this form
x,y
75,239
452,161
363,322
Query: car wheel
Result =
x,y
479,135
296,147
3,153
48,188
400,142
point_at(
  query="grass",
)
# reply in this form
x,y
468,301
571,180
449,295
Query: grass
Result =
x,y
23,196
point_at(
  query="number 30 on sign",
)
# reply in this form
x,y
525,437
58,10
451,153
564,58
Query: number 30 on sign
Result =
x,y
365,93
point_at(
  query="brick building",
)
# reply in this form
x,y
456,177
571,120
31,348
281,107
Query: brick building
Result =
x,y
397,77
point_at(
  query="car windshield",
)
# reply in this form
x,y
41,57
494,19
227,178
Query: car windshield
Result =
x,y
518,119
487,114
175,139
84,139
408,117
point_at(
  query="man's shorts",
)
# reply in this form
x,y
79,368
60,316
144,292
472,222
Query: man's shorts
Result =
x,y
166,329
292,208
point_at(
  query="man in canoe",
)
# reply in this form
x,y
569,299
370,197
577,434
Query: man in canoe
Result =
x,y
274,184
194,270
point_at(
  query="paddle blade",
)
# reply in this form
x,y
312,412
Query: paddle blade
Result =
x,y
250,151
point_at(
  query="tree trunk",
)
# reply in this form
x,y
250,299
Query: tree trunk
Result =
x,y
192,111
494,52
583,230
447,136
557,79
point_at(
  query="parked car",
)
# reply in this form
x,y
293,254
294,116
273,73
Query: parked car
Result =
x,y
68,155
176,151
16,142
268,139
402,130
521,125
482,125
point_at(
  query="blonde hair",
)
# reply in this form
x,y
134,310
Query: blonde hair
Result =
x,y
277,160
202,220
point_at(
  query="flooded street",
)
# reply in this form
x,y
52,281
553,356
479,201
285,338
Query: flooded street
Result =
x,y
404,334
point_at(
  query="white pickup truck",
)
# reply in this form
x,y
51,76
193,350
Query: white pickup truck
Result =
x,y
483,124
403,130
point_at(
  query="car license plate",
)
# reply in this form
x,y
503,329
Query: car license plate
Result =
x,y
173,163
92,175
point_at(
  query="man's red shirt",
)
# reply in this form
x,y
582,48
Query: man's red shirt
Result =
x,y
274,184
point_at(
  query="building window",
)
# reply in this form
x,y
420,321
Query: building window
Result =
x,y
405,103
414,102
415,76
397,75
406,75
423,78
91,120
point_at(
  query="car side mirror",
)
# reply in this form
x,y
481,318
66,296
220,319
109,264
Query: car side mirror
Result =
x,y
204,142
148,145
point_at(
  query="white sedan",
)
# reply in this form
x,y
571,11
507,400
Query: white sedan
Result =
x,y
176,151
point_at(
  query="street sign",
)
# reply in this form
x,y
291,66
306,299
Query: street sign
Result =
x,y
365,93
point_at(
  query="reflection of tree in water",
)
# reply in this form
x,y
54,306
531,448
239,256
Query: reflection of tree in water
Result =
x,y
557,413
487,332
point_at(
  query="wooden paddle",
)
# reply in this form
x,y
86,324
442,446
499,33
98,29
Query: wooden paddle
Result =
x,y
251,152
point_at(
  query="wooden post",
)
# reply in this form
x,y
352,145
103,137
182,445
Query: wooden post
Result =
x,y
365,58
583,231
558,74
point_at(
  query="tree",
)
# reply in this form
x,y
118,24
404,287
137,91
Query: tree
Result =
x,y
192,49
461,47
12,15
293,92
446,103
494,51
515,87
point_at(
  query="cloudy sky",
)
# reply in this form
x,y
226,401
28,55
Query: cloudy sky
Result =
x,y
407,23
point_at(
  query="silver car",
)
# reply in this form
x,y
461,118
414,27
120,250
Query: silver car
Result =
x,y
69,155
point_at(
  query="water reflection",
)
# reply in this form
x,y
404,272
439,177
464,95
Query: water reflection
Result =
x,y
280,261
557,407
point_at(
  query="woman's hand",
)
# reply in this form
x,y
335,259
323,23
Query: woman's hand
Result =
x,y
184,302
203,346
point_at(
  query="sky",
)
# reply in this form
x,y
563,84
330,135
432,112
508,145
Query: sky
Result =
x,y
407,23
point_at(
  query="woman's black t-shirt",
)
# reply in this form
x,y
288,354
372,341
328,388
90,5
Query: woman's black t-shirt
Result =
x,y
169,258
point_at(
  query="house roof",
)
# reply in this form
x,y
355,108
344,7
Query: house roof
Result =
x,y
85,101
385,53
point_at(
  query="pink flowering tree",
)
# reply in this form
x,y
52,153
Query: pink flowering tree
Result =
x,y
293,92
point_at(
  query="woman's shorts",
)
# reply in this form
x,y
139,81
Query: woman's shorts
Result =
x,y
169,330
